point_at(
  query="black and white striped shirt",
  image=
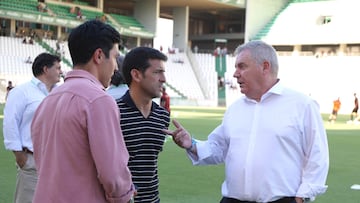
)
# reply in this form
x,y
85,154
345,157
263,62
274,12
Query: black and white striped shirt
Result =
x,y
144,140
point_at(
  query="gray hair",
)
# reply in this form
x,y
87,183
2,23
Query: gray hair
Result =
x,y
260,52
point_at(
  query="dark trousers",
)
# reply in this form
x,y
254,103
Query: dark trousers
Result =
x,y
282,200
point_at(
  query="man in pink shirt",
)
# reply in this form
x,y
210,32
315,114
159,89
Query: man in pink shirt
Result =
x,y
79,149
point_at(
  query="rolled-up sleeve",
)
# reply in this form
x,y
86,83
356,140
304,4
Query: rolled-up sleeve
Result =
x,y
109,151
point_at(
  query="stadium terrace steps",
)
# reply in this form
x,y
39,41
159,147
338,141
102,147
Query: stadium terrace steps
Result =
x,y
181,76
127,21
64,12
264,31
325,22
127,26
206,64
80,3
50,46
14,53
21,5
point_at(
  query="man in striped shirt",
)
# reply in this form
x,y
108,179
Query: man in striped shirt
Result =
x,y
142,120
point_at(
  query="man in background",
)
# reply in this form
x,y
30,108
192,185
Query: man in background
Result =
x,y
335,110
8,88
117,84
165,99
355,109
22,101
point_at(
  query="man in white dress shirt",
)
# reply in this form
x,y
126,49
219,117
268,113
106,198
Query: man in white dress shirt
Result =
x,y
19,110
272,139
117,84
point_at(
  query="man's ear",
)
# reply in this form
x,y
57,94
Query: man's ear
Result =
x,y
136,75
266,67
98,55
45,69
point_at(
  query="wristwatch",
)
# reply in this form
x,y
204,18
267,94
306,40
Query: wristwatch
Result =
x,y
193,143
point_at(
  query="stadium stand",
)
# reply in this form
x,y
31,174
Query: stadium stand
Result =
x,y
324,23
318,51
29,6
180,74
200,83
127,21
14,55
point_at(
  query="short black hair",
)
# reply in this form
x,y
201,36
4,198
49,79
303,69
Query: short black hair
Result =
x,y
42,60
89,36
138,58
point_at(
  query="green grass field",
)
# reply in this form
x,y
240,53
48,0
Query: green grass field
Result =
x,y
180,182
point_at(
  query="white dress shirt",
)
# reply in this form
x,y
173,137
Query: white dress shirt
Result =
x,y
117,91
271,149
19,110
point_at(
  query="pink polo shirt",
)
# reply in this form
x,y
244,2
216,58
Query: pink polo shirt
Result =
x,y
79,149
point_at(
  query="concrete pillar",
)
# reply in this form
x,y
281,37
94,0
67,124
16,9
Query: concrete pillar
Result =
x,y
58,36
12,27
296,50
181,27
138,41
147,13
342,49
100,4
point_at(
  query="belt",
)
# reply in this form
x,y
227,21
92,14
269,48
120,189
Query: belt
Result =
x,y
26,150
282,200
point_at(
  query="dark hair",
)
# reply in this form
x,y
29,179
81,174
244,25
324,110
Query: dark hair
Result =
x,y
89,36
118,79
138,58
42,60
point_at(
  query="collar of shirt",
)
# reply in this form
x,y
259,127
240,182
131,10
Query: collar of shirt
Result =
x,y
127,99
115,87
111,87
38,83
78,73
278,88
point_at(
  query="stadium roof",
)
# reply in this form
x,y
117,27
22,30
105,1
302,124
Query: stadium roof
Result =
x,y
203,4
193,4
